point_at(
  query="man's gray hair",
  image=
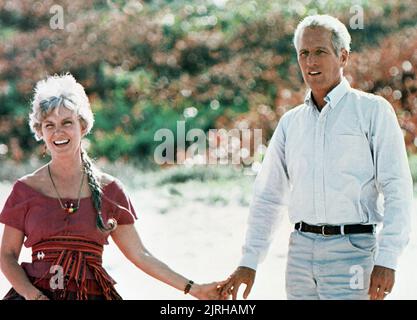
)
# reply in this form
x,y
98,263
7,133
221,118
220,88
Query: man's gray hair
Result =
x,y
55,92
340,35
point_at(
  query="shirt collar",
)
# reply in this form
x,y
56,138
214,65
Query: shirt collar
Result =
x,y
333,97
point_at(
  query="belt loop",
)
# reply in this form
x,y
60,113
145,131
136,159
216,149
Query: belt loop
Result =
x,y
342,229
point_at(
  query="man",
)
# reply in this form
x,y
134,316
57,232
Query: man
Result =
x,y
331,162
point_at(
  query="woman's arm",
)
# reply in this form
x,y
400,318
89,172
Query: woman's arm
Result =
x,y
9,255
127,239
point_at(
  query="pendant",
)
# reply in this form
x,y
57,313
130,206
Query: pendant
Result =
x,y
69,208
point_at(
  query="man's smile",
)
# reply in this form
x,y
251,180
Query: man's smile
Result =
x,y
314,73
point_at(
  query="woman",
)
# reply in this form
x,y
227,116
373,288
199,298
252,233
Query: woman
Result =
x,y
67,209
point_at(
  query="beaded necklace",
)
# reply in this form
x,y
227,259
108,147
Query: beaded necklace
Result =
x,y
68,207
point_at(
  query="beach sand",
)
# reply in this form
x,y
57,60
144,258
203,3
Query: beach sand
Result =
x,y
203,242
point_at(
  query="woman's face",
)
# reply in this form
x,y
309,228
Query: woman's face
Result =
x,y
62,131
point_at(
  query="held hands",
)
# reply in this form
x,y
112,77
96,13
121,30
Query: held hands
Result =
x,y
382,282
208,291
241,275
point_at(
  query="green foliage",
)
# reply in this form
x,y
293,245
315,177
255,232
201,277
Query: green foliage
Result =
x,y
182,174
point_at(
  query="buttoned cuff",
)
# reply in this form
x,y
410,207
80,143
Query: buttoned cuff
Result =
x,y
387,259
250,261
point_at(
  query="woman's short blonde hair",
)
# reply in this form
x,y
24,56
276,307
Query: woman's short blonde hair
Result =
x,y
55,92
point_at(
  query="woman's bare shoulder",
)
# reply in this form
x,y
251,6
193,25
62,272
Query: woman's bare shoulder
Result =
x,y
106,179
36,179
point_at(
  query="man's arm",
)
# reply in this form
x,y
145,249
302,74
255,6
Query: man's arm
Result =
x,y
394,180
271,196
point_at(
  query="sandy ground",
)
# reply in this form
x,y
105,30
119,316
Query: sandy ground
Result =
x,y
203,242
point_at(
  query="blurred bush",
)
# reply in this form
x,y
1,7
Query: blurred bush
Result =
x,y
145,63
412,160
181,174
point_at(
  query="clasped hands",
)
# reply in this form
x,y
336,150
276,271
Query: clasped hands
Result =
x,y
224,289
381,284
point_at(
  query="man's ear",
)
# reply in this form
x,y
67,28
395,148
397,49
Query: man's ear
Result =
x,y
83,131
344,57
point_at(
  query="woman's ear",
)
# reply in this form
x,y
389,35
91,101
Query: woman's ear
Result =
x,y
83,127
39,133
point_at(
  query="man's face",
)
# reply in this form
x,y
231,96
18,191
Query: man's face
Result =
x,y
320,66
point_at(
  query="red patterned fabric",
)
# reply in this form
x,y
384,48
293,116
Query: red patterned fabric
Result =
x,y
41,218
74,255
